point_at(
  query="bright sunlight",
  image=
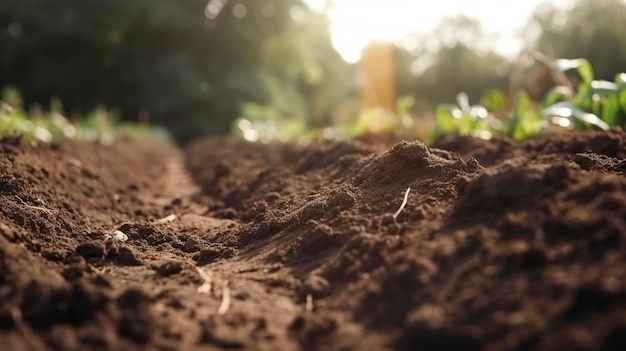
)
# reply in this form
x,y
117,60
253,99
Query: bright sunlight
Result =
x,y
354,23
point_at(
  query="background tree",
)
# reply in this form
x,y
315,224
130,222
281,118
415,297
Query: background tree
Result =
x,y
191,65
455,57
593,29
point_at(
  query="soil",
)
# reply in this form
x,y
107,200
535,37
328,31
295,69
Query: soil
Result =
x,y
231,245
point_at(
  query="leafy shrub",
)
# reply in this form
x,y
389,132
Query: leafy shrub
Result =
x,y
577,102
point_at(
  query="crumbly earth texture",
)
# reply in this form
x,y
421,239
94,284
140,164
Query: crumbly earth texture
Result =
x,y
232,245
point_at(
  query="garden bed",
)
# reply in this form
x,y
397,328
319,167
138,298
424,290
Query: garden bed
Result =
x,y
233,245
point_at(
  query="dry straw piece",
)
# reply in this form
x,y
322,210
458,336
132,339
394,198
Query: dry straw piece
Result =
x,y
406,198
225,299
205,288
167,219
309,303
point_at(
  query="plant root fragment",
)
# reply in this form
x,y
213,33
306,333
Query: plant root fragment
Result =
x,y
406,198
223,308
205,288
39,208
309,304
167,219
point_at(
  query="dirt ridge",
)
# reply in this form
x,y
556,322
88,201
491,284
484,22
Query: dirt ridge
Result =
x,y
234,245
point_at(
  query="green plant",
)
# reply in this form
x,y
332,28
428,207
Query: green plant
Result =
x,y
577,102
47,125
464,119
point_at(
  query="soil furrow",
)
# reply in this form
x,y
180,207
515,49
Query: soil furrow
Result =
x,y
232,245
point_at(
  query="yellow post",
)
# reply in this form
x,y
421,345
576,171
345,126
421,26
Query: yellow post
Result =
x,y
376,77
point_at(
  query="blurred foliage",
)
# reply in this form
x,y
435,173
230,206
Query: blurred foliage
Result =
x,y
593,29
99,125
455,57
579,102
458,55
190,65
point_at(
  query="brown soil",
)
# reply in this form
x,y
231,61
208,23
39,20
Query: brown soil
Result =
x,y
501,246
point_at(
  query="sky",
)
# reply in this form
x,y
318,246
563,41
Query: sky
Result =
x,y
354,23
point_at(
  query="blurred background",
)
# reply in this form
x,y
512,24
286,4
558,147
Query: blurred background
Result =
x,y
293,69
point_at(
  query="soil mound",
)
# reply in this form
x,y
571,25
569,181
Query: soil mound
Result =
x,y
361,245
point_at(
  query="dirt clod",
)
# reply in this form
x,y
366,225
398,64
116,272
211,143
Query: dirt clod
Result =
x,y
90,249
167,268
127,256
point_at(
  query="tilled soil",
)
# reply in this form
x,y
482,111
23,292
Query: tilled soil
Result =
x,y
500,246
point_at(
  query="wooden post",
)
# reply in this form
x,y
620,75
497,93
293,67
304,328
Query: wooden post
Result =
x,y
376,77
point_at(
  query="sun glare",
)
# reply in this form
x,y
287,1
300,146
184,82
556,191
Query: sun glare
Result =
x,y
355,23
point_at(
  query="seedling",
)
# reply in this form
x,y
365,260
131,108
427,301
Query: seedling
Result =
x,y
578,101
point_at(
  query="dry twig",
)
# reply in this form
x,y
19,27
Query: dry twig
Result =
x,y
167,219
225,299
406,198
205,288
309,303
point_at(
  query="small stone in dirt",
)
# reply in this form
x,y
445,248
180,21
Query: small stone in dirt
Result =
x,y
168,267
90,249
127,256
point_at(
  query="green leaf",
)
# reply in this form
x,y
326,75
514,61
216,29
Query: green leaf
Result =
x,y
447,118
463,101
620,79
493,100
562,112
581,65
516,129
555,94
611,110
621,101
602,87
